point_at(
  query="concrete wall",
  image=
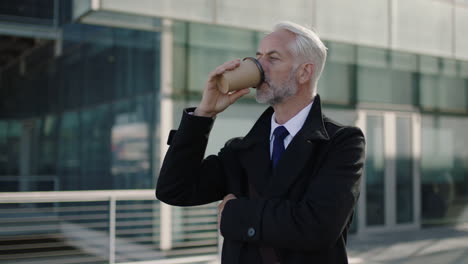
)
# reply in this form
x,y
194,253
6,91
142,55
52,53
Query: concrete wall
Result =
x,y
434,27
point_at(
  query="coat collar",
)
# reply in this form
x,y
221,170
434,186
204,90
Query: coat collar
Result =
x,y
313,128
256,155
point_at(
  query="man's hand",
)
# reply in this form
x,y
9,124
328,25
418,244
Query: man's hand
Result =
x,y
221,207
214,101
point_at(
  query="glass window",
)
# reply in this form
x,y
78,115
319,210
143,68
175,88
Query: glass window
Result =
x,y
442,85
385,77
374,85
24,11
10,137
375,172
76,100
463,69
336,83
200,48
345,117
444,166
95,147
47,147
428,91
3,145
68,160
131,144
404,171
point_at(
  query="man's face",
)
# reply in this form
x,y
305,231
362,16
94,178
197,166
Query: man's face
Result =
x,y
278,63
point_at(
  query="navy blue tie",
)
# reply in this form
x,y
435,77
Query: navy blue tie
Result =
x,y
278,144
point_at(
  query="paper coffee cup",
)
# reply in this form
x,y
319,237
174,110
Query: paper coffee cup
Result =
x,y
248,74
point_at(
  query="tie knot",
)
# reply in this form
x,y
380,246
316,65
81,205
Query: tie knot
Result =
x,y
280,132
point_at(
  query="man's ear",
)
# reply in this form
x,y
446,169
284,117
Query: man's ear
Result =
x,y
306,71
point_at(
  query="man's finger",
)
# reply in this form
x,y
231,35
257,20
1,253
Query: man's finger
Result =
x,y
234,97
232,64
227,66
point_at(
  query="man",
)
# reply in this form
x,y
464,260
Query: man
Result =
x,y
289,187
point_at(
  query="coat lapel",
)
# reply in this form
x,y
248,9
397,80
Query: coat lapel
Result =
x,y
254,152
301,150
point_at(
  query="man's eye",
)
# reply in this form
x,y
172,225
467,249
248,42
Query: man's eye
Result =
x,y
273,58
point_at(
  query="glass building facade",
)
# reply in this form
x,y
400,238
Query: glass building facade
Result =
x,y
84,119
84,112
404,92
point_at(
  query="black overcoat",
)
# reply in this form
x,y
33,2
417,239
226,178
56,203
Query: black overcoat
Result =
x,y
303,207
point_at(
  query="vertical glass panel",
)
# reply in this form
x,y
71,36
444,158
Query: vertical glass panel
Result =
x,y
446,93
33,12
404,61
374,85
429,65
443,85
180,57
72,96
4,146
375,172
206,47
463,69
97,65
48,145
131,159
384,77
373,78
428,91
337,82
345,117
453,94
402,87
404,171
95,148
340,52
449,67
15,130
68,161
444,166
10,140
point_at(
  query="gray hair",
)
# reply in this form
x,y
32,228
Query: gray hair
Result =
x,y
307,47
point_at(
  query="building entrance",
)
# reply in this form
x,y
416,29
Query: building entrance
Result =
x,y
390,190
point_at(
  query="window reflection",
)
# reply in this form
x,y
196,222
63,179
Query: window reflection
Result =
x,y
130,151
444,166
375,172
75,105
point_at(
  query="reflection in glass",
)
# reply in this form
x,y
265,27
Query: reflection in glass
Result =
x,y
336,83
73,101
374,171
404,171
444,185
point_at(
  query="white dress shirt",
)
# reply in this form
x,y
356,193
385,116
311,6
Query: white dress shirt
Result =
x,y
293,126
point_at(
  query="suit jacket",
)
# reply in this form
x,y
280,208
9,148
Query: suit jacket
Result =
x,y
304,205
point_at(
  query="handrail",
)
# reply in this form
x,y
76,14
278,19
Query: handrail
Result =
x,y
76,196
111,230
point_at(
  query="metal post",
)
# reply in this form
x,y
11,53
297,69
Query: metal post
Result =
x,y
112,216
166,118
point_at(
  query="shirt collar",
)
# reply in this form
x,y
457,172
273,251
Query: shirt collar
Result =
x,y
294,124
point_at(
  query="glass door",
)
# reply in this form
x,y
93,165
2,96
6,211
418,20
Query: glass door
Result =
x,y
390,189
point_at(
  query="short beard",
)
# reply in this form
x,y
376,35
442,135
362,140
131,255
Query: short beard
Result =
x,y
275,94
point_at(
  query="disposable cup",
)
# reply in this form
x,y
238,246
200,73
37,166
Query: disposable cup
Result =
x,y
248,74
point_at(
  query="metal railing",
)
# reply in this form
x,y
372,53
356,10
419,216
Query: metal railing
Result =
x,y
118,226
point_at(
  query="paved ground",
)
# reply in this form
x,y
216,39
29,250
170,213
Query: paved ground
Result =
x,y
426,246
